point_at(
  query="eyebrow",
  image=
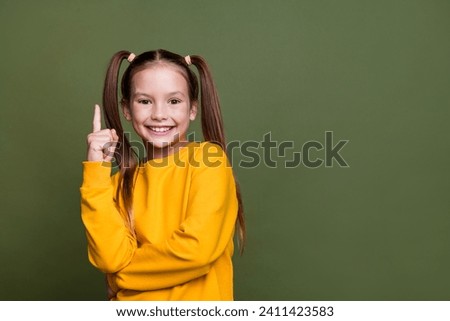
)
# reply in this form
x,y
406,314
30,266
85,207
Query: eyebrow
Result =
x,y
141,94
174,93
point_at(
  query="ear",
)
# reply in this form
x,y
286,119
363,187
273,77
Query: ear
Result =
x,y
126,110
193,110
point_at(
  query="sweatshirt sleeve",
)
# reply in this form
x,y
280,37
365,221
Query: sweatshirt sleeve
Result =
x,y
110,243
202,238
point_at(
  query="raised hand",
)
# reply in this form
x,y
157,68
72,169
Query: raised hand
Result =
x,y
101,143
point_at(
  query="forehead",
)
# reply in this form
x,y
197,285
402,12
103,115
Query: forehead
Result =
x,y
161,77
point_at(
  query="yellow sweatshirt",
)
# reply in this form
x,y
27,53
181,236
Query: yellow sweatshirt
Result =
x,y
185,210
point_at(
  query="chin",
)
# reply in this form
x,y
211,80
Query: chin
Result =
x,y
161,144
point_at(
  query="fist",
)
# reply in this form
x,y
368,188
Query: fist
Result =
x,y
101,143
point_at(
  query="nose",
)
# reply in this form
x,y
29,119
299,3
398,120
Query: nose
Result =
x,y
158,112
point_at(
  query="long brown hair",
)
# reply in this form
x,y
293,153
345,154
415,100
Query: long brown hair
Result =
x,y
211,118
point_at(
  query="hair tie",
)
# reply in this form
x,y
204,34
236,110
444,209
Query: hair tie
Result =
x,y
131,57
188,60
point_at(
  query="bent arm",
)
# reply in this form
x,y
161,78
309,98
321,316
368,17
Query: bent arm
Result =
x,y
110,243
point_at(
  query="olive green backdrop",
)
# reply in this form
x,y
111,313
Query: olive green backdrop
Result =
x,y
375,73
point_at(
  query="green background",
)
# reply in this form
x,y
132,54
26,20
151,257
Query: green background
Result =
x,y
375,73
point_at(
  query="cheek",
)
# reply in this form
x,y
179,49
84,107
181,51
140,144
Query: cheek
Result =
x,y
181,115
138,114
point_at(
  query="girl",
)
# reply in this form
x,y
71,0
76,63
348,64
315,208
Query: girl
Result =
x,y
162,228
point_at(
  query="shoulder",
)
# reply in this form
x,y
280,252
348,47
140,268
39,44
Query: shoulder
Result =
x,y
210,165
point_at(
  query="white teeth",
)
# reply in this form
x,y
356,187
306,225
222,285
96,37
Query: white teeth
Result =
x,y
160,129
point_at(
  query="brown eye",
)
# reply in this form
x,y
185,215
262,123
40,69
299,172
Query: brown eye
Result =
x,y
144,101
174,101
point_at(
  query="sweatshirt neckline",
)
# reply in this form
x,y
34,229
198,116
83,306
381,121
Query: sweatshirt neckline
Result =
x,y
169,158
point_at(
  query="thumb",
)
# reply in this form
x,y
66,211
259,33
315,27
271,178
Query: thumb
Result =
x,y
110,148
114,135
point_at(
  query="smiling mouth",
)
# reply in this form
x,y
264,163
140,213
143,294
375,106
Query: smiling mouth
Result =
x,y
160,129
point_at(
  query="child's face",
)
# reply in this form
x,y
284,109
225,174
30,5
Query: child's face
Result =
x,y
159,107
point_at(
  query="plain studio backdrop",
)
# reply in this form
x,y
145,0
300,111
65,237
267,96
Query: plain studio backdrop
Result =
x,y
373,73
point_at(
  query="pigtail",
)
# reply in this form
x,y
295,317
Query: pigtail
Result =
x,y
211,115
124,155
213,130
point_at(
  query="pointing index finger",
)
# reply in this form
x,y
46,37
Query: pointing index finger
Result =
x,y
97,122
